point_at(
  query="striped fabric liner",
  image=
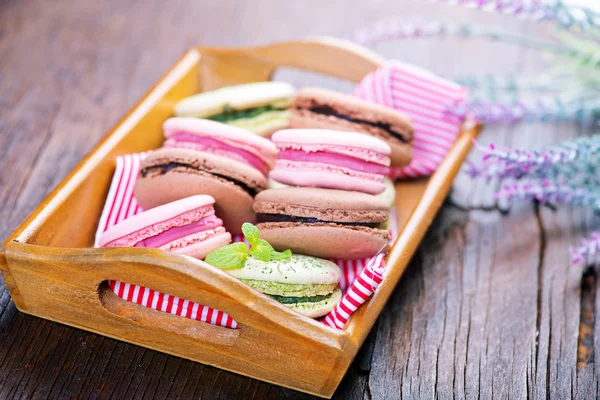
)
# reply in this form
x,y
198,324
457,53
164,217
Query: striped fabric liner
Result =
x,y
121,204
424,97
362,288
171,304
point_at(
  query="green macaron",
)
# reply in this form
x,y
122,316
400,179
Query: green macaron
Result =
x,y
308,285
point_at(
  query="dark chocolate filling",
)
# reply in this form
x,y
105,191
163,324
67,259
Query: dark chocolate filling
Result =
x,y
290,218
164,168
329,111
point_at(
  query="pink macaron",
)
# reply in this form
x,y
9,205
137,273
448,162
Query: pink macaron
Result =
x,y
221,139
331,159
188,226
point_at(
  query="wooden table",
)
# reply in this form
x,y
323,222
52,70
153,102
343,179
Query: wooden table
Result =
x,y
489,307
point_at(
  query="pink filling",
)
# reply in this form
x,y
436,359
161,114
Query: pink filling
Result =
x,y
307,167
335,159
356,152
178,232
202,143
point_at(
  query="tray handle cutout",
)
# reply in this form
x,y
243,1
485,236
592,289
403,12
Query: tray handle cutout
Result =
x,y
340,58
43,273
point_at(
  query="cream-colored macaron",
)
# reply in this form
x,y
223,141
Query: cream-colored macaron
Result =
x,y
260,107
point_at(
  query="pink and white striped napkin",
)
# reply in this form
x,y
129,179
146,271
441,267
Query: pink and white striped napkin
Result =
x,y
425,98
357,275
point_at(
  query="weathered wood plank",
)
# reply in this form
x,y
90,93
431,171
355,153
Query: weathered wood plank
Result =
x,y
463,322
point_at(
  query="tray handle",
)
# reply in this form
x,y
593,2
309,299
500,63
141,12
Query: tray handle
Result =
x,y
336,57
46,269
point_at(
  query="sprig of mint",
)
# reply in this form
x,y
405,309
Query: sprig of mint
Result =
x,y
234,255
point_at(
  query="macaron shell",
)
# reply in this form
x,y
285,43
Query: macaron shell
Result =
x,y
264,124
232,204
205,127
297,269
401,153
208,162
201,249
333,137
308,177
323,199
356,108
324,240
244,96
157,220
315,310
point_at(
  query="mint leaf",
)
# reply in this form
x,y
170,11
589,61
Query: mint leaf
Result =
x,y
262,250
281,255
231,256
251,233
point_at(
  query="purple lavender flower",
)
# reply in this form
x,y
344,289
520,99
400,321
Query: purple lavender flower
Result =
x,y
550,192
575,161
588,249
547,109
566,16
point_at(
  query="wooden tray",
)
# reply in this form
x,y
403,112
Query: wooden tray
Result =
x,y
52,272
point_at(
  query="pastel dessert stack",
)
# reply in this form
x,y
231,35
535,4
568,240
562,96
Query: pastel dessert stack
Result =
x,y
187,226
207,157
330,209
261,107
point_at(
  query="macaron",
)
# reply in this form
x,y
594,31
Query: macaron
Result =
x,y
187,226
331,159
170,174
221,139
307,285
322,108
324,223
260,107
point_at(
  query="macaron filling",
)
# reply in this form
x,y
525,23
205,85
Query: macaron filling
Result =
x,y
328,111
335,159
360,153
324,171
211,145
229,114
177,232
290,218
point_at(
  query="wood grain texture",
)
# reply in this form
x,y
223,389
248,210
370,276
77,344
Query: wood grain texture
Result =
x,y
489,306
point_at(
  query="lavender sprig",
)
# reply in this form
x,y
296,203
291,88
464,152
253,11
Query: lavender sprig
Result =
x,y
577,161
513,83
550,192
397,28
588,249
566,16
544,110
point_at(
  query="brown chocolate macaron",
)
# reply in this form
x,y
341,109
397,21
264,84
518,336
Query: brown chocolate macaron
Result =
x,y
170,174
324,223
326,109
